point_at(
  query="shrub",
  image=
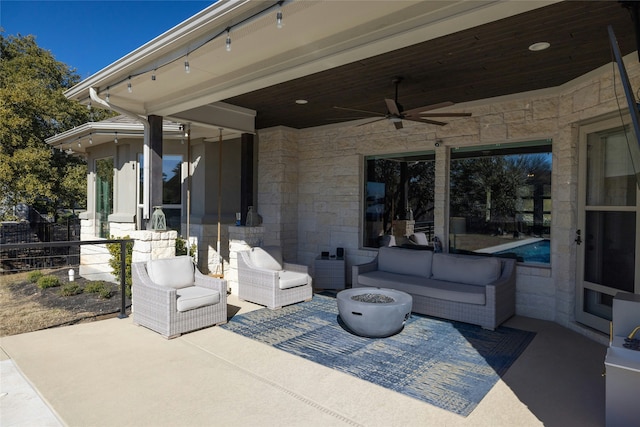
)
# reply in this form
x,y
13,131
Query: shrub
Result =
x,y
114,262
181,247
69,289
99,287
105,293
48,282
33,276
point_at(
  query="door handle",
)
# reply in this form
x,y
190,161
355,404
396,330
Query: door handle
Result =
x,y
578,238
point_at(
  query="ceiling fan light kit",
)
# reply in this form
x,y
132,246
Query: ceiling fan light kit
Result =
x,y
396,114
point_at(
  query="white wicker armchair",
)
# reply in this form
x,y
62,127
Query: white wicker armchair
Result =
x,y
171,296
263,278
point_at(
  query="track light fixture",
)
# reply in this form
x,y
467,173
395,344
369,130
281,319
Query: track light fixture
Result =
x,y
228,42
153,75
187,69
129,88
279,17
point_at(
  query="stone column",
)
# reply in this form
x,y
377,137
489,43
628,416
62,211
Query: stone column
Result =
x,y
151,244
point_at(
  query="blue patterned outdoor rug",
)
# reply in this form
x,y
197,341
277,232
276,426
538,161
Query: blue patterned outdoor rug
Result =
x,y
451,365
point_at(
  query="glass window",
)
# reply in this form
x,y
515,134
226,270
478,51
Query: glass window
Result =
x,y
609,257
104,195
398,188
171,180
171,188
500,200
611,178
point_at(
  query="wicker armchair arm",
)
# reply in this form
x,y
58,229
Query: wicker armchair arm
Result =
x,y
298,268
208,282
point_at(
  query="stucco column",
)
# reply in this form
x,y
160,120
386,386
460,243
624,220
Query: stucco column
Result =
x,y
155,161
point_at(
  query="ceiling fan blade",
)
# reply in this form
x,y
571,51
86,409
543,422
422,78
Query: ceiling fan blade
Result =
x,y
420,120
359,111
346,119
392,107
415,111
439,115
372,121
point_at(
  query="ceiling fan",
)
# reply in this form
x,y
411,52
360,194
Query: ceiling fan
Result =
x,y
395,114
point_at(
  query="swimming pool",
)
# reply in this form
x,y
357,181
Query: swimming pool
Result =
x,y
538,251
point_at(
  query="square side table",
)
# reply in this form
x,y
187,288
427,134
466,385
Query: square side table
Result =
x,y
329,273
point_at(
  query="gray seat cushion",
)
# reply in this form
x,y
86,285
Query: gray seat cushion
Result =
x,y
415,285
195,296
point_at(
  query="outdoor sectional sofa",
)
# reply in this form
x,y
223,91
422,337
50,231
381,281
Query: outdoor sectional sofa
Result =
x,y
473,289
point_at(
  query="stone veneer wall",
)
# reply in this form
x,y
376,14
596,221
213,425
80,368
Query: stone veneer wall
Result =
x,y
319,201
278,181
205,235
149,244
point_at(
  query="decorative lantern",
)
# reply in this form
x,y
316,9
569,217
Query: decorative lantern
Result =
x,y
158,220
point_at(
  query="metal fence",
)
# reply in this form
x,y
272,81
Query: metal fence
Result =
x,y
29,255
16,258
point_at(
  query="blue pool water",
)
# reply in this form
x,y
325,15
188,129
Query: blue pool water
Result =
x,y
532,252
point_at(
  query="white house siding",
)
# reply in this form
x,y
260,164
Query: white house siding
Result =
x,y
316,206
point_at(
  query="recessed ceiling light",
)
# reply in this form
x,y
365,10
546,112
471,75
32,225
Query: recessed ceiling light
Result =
x,y
301,101
536,47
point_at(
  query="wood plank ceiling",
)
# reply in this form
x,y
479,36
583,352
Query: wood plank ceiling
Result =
x,y
482,62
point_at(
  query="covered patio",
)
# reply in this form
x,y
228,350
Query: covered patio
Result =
x,y
300,162
111,372
263,90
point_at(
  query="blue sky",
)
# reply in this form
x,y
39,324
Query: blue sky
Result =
x,y
89,35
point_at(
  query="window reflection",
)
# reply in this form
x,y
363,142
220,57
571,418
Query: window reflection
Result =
x,y
399,191
500,200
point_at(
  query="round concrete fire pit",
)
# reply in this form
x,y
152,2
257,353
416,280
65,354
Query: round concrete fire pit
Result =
x,y
374,312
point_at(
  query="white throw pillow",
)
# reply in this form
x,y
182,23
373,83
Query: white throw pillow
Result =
x,y
419,239
480,271
176,272
267,257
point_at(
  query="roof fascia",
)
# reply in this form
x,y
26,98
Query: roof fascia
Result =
x,y
166,42
104,126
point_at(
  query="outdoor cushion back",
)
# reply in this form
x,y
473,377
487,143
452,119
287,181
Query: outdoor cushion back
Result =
x,y
176,272
405,261
451,268
267,257
419,239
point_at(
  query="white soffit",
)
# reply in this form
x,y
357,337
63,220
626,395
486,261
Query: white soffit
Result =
x,y
227,116
317,35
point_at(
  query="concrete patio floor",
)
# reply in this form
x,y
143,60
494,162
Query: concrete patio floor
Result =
x,y
112,372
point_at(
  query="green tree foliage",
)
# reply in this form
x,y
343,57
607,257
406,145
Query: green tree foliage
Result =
x,y
489,191
33,108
